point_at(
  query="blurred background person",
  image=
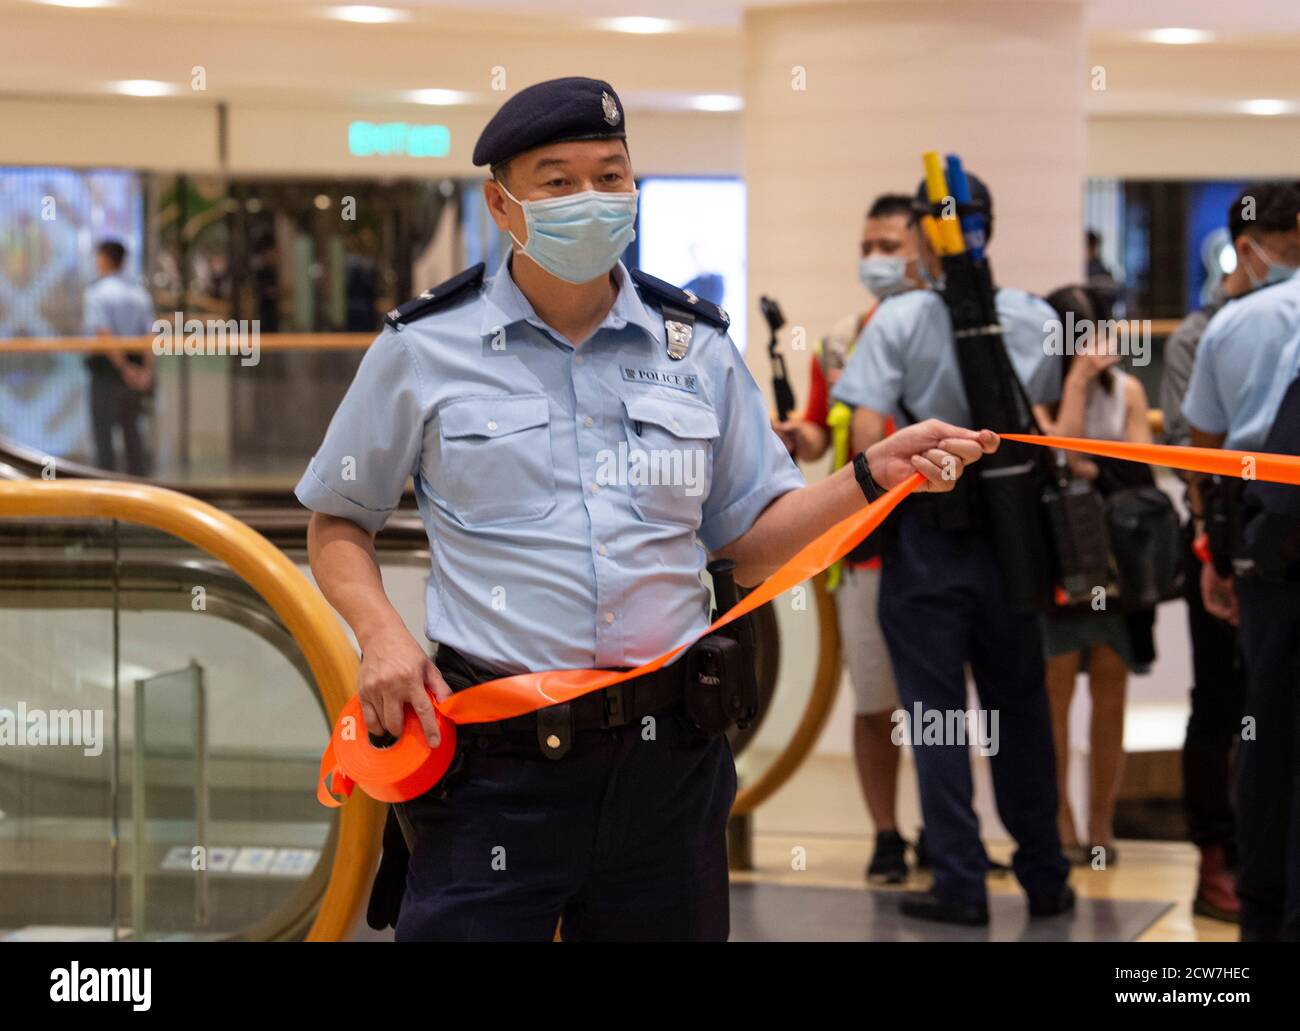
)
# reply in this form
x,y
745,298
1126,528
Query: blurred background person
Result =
x,y
119,381
942,575
1243,381
1101,402
1218,677
888,266
1103,287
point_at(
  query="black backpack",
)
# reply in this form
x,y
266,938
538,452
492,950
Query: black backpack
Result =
x,y
1145,537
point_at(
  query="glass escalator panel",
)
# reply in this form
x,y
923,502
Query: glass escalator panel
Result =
x,y
159,738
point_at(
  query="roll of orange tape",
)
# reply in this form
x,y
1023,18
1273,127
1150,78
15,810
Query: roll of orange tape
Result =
x,y
402,771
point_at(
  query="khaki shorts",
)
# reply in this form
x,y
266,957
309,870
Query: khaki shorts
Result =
x,y
862,643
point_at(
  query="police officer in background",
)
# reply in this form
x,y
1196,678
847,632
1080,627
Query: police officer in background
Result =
x,y
942,604
1261,224
508,399
1244,380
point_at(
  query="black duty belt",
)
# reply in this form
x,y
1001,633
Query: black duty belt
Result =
x,y
553,727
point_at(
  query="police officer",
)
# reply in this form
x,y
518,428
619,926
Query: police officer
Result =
x,y
1245,369
524,407
1258,225
942,606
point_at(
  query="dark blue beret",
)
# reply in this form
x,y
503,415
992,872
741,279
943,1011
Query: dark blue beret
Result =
x,y
551,112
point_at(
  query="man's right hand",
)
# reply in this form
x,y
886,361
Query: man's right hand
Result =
x,y
395,672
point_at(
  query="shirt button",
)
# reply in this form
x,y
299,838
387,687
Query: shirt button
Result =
x,y
589,422
603,550
492,424
579,360
609,617
595,488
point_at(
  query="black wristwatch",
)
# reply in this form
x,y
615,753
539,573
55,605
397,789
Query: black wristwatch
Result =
x,y
871,490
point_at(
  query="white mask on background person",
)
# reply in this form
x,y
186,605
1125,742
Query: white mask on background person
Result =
x,y
1277,272
883,274
580,236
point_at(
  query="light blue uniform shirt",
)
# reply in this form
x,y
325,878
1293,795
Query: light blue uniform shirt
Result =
x,y
905,353
1247,358
550,549
123,308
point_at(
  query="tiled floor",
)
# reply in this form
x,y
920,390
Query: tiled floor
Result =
x,y
818,822
1163,873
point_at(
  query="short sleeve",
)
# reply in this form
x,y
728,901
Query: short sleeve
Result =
x,y
94,316
873,375
373,442
1180,356
751,467
1027,322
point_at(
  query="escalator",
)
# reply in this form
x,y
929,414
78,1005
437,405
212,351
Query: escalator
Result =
x,y
165,729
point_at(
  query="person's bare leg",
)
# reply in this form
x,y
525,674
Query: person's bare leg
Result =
x,y
1107,683
1061,673
877,760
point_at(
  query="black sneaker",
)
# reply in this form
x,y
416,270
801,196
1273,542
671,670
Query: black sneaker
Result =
x,y
919,852
925,905
889,860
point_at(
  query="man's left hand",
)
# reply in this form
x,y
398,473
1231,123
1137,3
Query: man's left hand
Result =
x,y
936,450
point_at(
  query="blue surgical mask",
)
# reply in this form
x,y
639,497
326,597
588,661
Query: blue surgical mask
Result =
x,y
577,237
883,275
1277,273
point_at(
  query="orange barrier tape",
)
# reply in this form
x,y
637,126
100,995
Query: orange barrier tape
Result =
x,y
410,767
1246,464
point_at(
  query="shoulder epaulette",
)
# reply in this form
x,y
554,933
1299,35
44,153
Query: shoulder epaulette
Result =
x,y
665,293
437,298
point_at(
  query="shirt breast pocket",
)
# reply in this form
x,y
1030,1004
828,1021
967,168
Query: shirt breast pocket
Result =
x,y
670,458
495,459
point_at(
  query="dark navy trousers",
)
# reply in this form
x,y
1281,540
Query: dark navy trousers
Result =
x,y
1268,764
1214,724
622,839
942,606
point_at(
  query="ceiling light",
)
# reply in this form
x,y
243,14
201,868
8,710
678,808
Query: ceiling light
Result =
x,y
438,96
1265,106
364,14
638,25
84,4
142,88
1178,37
717,102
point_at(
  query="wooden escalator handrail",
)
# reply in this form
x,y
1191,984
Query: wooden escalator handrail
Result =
x,y
300,607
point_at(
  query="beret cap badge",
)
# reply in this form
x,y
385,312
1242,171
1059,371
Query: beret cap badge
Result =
x,y
609,108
